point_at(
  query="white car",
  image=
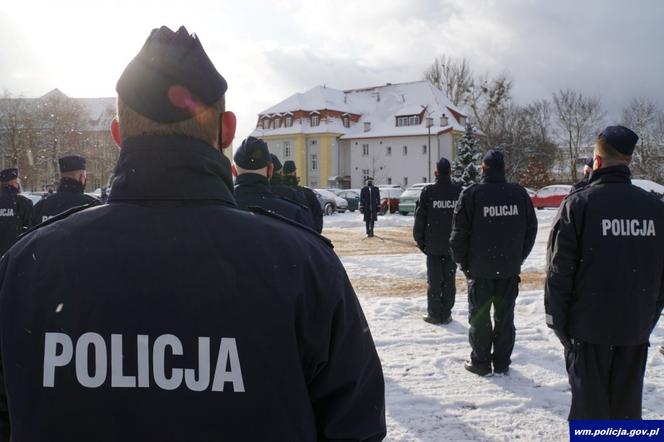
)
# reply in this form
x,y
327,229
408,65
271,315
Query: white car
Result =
x,y
339,205
649,186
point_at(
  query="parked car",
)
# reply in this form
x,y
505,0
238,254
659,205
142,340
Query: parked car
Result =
x,y
550,196
389,199
389,186
35,197
408,199
352,197
330,202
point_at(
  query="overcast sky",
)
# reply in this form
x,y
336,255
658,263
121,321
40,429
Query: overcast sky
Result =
x,y
268,50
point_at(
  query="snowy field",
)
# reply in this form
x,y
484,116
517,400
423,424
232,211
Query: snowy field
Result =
x,y
430,396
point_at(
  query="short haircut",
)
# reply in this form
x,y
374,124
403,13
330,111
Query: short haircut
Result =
x,y
73,174
610,155
203,126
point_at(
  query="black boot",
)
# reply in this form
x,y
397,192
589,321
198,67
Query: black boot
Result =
x,y
479,370
432,319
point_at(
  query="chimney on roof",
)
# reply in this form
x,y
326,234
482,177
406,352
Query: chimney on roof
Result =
x,y
367,126
444,121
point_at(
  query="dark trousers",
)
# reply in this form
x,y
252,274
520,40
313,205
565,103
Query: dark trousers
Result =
x,y
606,381
441,286
482,294
370,227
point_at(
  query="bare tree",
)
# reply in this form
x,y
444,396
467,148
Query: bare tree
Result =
x,y
59,131
15,123
452,76
579,119
644,117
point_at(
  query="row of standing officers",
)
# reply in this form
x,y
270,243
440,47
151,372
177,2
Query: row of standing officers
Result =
x,y
604,288
17,213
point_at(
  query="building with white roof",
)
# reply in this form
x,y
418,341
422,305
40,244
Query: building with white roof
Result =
x,y
394,133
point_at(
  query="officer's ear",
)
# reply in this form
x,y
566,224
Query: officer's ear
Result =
x,y
597,162
270,170
115,132
234,170
227,126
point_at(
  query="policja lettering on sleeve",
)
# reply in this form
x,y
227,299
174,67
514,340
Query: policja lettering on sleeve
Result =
x,y
59,351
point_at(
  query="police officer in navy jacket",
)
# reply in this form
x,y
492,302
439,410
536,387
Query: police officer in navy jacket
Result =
x,y
163,315
70,192
493,233
604,289
15,209
253,168
431,231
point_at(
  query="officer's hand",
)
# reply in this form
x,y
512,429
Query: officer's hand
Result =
x,y
564,339
422,247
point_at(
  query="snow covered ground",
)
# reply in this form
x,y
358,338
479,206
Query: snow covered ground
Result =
x,y
430,397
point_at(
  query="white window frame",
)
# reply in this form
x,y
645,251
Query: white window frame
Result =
x,y
277,122
288,121
314,161
287,148
365,150
266,123
315,120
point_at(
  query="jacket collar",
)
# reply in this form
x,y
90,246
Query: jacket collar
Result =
x,y
171,168
8,189
613,174
444,179
252,180
70,185
493,176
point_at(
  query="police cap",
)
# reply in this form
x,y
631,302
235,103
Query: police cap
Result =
x,y
71,163
443,166
289,166
621,138
275,162
494,159
171,79
8,174
252,154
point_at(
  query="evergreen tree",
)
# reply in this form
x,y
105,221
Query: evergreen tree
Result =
x,y
464,169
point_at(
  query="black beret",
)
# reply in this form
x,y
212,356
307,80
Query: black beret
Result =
x,y
494,159
289,166
621,138
8,174
252,154
171,79
275,162
443,166
71,163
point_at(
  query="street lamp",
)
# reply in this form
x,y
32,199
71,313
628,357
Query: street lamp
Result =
x,y
429,121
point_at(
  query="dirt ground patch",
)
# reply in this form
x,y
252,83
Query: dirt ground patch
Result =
x,y
409,288
390,241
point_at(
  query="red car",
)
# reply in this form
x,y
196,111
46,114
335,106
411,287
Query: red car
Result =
x,y
389,198
550,196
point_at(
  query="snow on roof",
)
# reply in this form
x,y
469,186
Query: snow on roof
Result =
x,y
378,105
318,98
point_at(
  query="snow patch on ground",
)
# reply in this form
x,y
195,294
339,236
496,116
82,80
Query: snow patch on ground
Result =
x,y
431,397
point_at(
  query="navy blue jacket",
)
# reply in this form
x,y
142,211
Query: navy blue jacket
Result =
x,y
605,262
15,216
253,190
433,217
494,227
169,314
70,194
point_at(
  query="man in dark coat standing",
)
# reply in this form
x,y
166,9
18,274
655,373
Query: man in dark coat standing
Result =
x,y
370,205
252,169
604,290
277,182
493,233
15,209
431,231
303,195
169,314
70,192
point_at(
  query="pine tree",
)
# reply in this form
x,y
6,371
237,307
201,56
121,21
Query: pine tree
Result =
x,y
464,168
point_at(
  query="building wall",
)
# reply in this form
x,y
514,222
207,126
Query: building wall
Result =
x,y
397,168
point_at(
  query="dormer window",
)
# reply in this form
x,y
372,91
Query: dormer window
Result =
x,y
315,119
408,120
345,119
266,123
277,123
288,121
